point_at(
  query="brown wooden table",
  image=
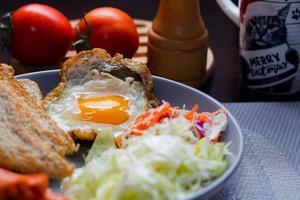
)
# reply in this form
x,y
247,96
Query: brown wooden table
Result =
x,y
225,83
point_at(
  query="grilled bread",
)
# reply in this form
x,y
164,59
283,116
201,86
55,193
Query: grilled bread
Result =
x,y
30,86
62,142
7,70
33,89
29,141
93,64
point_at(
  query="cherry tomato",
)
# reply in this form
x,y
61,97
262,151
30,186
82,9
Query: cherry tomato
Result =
x,y
110,29
41,35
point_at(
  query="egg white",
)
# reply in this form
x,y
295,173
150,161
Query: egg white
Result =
x,y
63,110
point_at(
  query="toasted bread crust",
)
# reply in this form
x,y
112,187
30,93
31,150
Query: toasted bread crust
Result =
x,y
23,152
53,95
46,128
33,89
82,57
30,86
88,135
100,54
86,59
28,142
7,69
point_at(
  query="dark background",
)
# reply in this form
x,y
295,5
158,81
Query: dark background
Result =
x,y
225,83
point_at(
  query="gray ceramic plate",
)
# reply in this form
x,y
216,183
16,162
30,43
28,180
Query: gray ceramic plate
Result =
x,y
176,94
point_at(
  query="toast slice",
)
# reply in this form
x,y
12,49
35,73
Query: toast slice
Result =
x,y
30,141
30,86
7,70
33,89
21,148
88,65
37,118
22,151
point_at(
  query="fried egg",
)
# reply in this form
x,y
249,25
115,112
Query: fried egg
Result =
x,y
97,104
98,92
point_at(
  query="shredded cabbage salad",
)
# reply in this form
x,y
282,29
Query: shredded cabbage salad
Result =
x,y
166,153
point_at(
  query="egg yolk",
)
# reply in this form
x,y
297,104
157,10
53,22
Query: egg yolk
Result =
x,y
107,109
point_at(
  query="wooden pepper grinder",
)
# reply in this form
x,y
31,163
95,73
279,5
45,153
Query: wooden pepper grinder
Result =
x,y
178,41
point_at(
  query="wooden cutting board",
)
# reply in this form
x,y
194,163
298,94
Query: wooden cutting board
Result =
x,y
143,27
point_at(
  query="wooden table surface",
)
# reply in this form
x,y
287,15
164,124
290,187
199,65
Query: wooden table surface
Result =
x,y
225,83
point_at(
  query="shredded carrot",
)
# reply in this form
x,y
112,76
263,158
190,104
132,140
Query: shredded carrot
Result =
x,y
141,126
151,117
162,110
156,115
143,116
135,133
203,117
190,114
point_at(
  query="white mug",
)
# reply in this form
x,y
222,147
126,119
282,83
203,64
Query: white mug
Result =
x,y
231,10
269,43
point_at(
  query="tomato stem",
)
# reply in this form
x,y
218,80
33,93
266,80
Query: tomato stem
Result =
x,y
82,43
87,25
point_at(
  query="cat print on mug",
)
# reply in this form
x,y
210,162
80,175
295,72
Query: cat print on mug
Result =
x,y
269,63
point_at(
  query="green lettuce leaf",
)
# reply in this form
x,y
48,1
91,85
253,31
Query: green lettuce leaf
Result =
x,y
104,141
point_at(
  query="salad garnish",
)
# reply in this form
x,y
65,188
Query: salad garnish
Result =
x,y
166,153
205,124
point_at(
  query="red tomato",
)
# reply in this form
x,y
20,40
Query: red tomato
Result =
x,y
41,35
112,30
